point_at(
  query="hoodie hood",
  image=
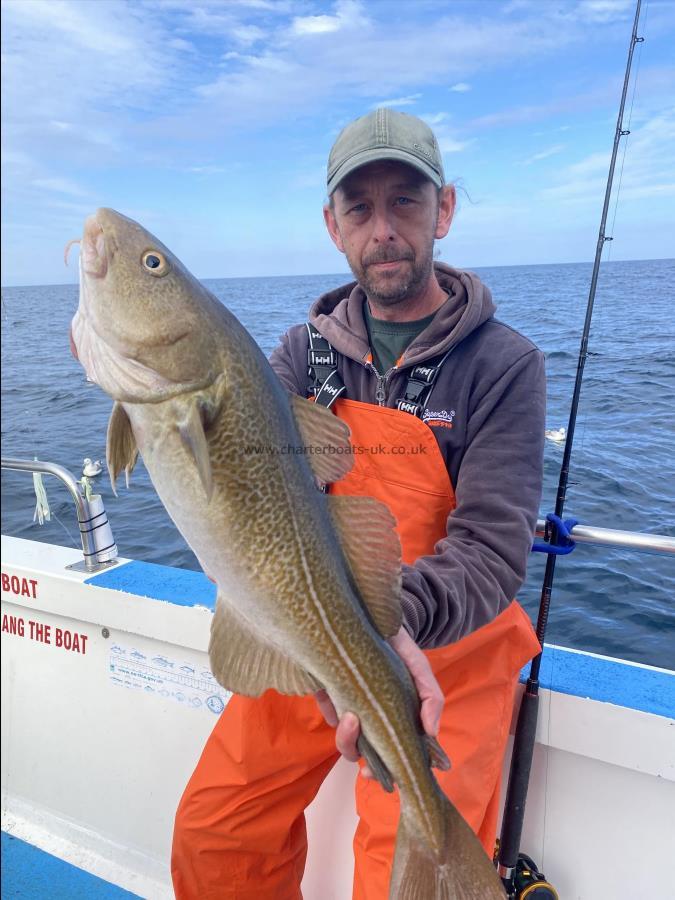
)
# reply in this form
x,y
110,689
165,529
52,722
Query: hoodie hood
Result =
x,y
338,316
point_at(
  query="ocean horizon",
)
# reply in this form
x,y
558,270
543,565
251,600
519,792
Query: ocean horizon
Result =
x,y
350,277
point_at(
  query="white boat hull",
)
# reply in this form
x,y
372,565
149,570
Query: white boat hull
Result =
x,y
105,714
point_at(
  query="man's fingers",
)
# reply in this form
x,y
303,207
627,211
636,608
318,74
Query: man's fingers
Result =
x,y
347,735
430,714
430,711
348,730
428,689
326,707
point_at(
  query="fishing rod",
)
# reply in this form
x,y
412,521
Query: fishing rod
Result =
x,y
523,746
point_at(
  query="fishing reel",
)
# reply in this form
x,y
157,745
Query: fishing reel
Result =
x,y
524,880
528,882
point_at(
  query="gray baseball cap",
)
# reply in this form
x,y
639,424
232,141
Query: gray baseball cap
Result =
x,y
385,134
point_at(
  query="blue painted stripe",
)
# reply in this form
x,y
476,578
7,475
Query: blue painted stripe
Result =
x,y
608,680
180,586
611,681
28,872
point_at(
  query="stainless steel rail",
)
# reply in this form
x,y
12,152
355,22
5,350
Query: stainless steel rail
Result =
x,y
98,545
100,549
612,537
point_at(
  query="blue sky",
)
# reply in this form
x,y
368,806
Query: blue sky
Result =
x,y
209,121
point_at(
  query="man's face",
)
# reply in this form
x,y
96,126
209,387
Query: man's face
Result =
x,y
385,218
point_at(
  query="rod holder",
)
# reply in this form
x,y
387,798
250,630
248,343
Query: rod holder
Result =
x,y
98,545
612,537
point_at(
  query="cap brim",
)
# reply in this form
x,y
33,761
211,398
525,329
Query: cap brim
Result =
x,y
381,153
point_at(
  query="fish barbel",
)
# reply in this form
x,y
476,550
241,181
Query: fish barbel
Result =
x,y
308,583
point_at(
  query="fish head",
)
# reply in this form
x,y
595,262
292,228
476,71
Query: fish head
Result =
x,y
142,330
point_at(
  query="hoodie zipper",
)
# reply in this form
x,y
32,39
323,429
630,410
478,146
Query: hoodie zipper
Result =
x,y
381,389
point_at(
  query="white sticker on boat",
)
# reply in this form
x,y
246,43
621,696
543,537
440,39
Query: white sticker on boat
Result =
x,y
167,678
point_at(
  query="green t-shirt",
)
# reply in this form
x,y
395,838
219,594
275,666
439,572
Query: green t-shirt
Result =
x,y
388,340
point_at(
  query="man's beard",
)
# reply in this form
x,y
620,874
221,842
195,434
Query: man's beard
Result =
x,y
389,289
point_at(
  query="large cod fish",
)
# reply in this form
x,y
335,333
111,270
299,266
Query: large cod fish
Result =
x,y
308,584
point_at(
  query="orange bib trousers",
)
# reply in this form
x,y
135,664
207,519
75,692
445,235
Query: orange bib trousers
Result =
x,y
240,829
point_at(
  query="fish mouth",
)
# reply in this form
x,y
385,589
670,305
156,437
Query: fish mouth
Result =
x,y
93,255
93,263
93,250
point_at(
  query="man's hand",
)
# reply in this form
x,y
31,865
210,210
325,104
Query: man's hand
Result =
x,y
430,694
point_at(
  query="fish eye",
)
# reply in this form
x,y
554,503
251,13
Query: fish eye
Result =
x,y
155,262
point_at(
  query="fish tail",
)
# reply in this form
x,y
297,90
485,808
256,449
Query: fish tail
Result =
x,y
421,872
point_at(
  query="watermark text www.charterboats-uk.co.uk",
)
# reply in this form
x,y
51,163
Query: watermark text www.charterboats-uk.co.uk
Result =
x,y
331,450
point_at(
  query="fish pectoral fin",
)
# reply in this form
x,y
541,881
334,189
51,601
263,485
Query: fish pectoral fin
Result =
x,y
121,450
326,438
191,429
377,767
372,547
244,664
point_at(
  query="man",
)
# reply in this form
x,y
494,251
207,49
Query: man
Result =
x,y
446,411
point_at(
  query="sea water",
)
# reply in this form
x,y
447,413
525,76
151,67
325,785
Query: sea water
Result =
x,y
616,602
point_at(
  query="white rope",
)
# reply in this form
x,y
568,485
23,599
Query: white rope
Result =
x,y
42,512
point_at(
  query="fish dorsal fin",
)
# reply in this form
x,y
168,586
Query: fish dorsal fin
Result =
x,y
121,450
244,664
373,550
326,438
191,428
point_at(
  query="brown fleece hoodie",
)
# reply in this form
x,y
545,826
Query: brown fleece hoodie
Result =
x,y
492,386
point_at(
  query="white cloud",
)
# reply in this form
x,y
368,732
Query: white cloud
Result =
x,y
17,159
207,170
646,170
313,73
136,84
602,93
460,88
544,154
216,18
316,24
398,101
433,119
572,11
70,21
348,14
600,11
77,75
60,185
180,44
449,144
248,34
